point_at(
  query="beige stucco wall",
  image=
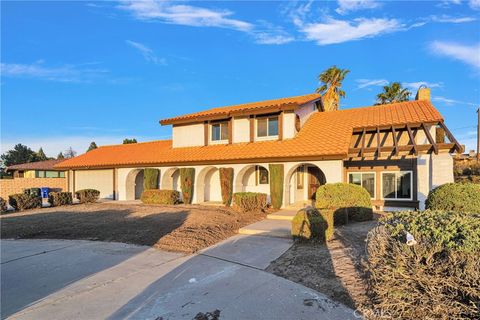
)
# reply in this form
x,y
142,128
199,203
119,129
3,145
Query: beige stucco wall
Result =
x,y
241,130
188,135
305,111
101,180
289,125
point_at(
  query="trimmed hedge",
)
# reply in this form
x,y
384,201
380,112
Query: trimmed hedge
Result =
x,y
60,198
155,196
187,177
276,185
226,185
150,178
436,278
3,205
310,224
23,201
350,202
463,197
250,201
87,195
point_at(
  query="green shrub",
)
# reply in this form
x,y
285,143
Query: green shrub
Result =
x,y
187,176
464,197
23,201
310,224
250,201
342,197
276,185
156,196
87,195
60,198
150,178
436,278
3,205
226,185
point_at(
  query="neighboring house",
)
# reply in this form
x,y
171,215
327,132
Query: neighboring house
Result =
x,y
390,150
33,175
39,169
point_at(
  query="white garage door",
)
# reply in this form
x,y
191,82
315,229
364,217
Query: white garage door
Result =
x,y
101,180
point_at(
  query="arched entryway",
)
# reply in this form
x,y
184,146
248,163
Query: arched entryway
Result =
x,y
253,178
208,185
134,184
302,182
171,179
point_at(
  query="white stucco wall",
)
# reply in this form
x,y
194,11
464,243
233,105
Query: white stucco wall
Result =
x,y
101,180
241,130
289,125
188,135
433,170
305,111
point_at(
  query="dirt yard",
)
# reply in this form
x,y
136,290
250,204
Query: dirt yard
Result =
x,y
175,228
334,269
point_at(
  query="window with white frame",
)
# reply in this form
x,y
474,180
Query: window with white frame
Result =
x,y
365,180
267,127
219,131
397,185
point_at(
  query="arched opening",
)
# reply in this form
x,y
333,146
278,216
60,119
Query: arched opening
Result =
x,y
134,184
253,178
302,183
208,185
171,179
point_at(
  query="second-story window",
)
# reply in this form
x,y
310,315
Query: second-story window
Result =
x,y
220,131
267,127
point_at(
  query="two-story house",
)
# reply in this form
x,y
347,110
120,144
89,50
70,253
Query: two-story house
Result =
x,y
397,152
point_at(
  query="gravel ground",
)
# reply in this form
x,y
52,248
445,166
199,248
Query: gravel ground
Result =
x,y
183,228
335,269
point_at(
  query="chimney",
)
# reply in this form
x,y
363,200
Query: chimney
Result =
x,y
423,93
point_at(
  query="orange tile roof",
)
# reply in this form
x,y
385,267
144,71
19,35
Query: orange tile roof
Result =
x,y
324,135
245,107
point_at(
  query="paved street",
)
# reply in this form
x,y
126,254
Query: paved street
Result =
x,y
64,279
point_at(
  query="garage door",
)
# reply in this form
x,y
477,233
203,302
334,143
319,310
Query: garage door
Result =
x,y
101,180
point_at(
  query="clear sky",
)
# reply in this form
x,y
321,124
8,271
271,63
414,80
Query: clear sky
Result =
x,y
75,72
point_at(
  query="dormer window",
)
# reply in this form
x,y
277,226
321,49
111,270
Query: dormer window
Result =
x,y
267,127
219,132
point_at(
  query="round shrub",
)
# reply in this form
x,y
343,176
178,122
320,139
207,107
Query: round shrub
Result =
x,y
87,195
436,278
345,197
308,224
156,196
464,197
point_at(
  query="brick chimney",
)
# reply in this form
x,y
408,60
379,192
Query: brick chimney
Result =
x,y
423,93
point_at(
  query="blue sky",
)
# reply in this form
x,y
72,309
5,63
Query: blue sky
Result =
x,y
75,72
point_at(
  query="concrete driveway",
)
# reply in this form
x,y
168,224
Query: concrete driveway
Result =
x,y
65,279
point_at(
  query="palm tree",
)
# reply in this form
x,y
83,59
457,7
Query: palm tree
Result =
x,y
331,88
393,93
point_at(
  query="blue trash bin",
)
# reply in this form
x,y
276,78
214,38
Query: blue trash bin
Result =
x,y
45,191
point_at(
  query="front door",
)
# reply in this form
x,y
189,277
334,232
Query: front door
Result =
x,y
315,179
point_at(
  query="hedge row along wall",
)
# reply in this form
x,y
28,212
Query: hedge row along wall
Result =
x,y
276,184
150,178
187,177
226,184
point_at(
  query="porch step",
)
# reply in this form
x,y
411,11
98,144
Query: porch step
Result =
x,y
282,215
269,228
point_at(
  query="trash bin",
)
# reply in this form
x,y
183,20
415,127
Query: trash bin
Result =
x,y
45,191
